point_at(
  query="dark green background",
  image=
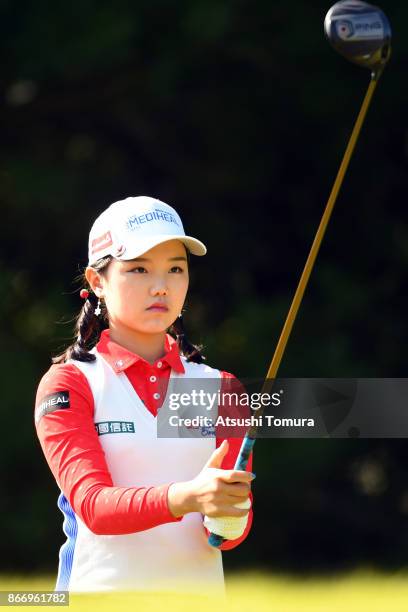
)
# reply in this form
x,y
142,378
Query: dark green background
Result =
x,y
237,113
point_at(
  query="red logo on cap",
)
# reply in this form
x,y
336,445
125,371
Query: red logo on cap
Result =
x,y
100,243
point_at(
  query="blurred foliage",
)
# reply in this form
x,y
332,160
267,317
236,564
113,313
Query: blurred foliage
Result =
x,y
237,113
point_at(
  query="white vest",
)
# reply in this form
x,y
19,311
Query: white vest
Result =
x,y
172,556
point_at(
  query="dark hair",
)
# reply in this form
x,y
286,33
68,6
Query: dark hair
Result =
x,y
88,327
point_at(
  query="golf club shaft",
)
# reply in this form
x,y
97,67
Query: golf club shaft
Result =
x,y
249,439
297,300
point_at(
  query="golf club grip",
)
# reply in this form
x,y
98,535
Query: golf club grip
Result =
x,y
240,464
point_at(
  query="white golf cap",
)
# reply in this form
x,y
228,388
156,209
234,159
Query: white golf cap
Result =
x,y
130,227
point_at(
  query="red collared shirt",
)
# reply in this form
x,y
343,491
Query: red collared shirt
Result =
x,y
74,454
149,381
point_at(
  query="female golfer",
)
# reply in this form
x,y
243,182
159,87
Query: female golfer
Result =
x,y
138,497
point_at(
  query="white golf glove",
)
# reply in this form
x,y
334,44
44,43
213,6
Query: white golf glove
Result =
x,y
229,527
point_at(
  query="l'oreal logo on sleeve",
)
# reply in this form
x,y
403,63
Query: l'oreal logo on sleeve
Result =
x,y
52,402
157,214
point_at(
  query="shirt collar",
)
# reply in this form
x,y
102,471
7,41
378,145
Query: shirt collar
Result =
x,y
120,358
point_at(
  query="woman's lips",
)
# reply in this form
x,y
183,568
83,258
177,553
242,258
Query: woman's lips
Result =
x,y
158,308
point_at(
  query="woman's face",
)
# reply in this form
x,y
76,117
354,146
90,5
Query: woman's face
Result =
x,y
129,288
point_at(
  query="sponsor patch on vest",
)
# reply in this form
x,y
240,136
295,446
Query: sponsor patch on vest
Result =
x,y
109,427
52,402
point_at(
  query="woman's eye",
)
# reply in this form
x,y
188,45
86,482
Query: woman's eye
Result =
x,y
141,269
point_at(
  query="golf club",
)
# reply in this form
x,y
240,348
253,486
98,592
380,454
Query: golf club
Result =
x,y
360,32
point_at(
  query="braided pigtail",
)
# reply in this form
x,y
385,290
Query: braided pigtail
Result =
x,y
191,351
88,326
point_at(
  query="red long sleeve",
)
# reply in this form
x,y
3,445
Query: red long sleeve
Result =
x,y
231,457
71,447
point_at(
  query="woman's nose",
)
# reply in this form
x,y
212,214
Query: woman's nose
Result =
x,y
159,287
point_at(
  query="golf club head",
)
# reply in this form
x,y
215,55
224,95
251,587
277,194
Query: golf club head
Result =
x,y
361,32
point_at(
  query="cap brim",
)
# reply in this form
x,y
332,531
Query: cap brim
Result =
x,y
196,247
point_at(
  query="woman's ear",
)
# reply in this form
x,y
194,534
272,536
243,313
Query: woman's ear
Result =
x,y
95,281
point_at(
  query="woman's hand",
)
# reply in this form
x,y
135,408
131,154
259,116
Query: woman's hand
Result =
x,y
213,492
